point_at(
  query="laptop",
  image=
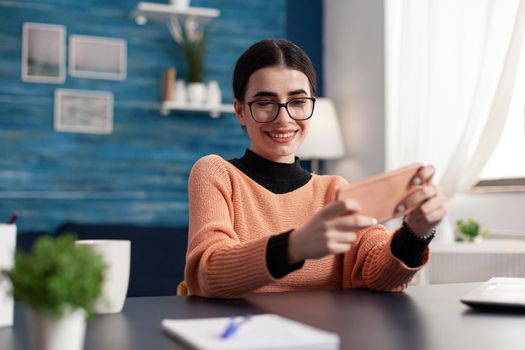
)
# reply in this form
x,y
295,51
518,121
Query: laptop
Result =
x,y
498,293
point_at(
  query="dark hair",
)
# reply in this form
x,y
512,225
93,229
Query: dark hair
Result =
x,y
271,52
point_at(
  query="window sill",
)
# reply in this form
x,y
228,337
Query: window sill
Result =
x,y
499,186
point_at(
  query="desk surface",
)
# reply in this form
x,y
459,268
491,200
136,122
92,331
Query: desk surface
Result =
x,y
422,318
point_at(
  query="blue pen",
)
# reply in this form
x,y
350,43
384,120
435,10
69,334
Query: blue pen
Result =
x,y
233,326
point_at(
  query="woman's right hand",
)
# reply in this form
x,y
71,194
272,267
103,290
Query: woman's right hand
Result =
x,y
332,230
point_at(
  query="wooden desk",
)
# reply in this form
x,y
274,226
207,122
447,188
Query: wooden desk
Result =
x,y
424,317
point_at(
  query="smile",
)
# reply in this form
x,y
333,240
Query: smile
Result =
x,y
281,135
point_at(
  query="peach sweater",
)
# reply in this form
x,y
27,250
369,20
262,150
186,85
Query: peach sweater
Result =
x,y
232,217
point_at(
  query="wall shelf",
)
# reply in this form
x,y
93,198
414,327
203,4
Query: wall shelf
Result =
x,y
214,111
189,18
164,12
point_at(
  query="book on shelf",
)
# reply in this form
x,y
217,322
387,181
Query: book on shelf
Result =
x,y
168,84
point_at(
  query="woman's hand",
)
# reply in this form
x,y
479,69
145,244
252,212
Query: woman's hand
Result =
x,y
331,231
429,203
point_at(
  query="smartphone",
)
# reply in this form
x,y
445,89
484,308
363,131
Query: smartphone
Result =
x,y
380,195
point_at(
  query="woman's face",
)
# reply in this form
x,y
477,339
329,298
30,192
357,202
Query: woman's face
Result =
x,y
277,140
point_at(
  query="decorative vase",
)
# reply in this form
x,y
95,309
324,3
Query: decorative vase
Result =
x,y
196,94
49,333
181,4
213,98
180,92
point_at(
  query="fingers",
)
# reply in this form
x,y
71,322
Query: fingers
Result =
x,y
431,205
343,237
431,211
340,242
428,215
338,208
430,218
424,175
338,248
419,197
342,232
353,222
430,208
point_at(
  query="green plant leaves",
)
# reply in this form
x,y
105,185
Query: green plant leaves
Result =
x,y
469,230
194,52
57,276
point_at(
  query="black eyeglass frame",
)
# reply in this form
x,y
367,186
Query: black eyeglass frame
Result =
x,y
285,105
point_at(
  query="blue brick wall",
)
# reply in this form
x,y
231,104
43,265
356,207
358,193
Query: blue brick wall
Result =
x,y
138,174
304,26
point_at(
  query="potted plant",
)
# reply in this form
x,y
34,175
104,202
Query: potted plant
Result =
x,y
59,282
470,231
191,38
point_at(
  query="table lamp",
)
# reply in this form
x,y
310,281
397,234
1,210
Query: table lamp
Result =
x,y
324,140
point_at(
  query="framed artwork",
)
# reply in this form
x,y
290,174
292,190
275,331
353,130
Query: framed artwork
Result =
x,y
97,57
43,53
83,111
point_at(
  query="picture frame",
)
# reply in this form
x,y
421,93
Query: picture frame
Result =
x,y
96,57
83,111
43,53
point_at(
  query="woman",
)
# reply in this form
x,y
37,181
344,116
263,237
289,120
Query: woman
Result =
x,y
261,223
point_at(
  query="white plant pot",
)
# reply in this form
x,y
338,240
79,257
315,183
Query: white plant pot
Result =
x,y
49,333
180,92
478,240
196,94
213,95
182,4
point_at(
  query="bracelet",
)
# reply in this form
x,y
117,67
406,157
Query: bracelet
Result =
x,y
426,237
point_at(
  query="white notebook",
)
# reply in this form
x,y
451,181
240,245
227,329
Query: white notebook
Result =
x,y
267,331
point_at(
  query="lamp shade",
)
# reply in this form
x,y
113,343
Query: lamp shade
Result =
x,y
324,140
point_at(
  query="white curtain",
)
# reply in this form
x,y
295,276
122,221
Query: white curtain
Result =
x,y
451,68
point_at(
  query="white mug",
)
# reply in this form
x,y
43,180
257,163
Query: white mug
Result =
x,y
116,255
7,254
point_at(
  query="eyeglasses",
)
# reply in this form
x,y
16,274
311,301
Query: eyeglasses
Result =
x,y
264,111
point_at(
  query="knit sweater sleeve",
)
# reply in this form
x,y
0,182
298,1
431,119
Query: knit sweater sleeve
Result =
x,y
371,264
218,263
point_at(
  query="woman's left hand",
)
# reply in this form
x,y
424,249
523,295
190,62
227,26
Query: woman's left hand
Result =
x,y
429,203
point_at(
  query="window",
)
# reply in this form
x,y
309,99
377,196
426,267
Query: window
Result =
x,y
505,170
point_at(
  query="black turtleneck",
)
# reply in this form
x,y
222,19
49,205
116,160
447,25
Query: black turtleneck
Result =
x,y
281,178
276,177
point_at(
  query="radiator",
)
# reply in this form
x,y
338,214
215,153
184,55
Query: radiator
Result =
x,y
474,262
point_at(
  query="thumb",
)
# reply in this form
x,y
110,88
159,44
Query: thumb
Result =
x,y
338,208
